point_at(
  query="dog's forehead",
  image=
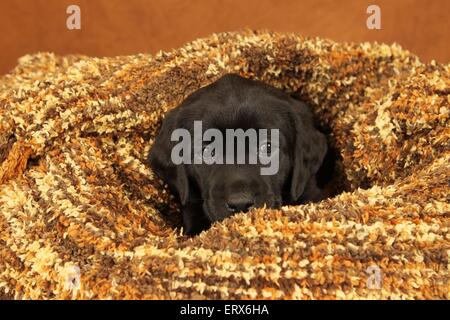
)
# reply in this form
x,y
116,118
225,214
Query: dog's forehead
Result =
x,y
244,117
244,107
233,102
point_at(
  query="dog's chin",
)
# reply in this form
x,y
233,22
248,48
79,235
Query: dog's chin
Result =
x,y
216,213
219,213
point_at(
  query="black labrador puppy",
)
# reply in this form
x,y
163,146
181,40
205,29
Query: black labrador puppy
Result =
x,y
211,191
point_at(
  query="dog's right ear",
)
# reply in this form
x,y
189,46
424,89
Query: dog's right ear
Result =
x,y
309,151
160,160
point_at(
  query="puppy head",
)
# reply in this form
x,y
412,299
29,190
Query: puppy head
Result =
x,y
226,187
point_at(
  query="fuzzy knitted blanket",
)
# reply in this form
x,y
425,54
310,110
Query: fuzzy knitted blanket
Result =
x,y
83,216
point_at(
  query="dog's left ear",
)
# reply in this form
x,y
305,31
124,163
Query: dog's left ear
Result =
x,y
310,148
160,160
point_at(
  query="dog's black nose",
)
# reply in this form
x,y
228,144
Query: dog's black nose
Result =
x,y
239,202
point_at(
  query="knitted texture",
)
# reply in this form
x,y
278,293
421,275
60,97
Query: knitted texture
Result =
x,y
82,215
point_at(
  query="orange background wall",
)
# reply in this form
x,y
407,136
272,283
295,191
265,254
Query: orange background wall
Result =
x,y
117,27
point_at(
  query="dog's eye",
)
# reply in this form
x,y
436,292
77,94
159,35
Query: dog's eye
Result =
x,y
209,154
265,148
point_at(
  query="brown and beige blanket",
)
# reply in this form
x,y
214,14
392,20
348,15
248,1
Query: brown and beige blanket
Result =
x,y
82,216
